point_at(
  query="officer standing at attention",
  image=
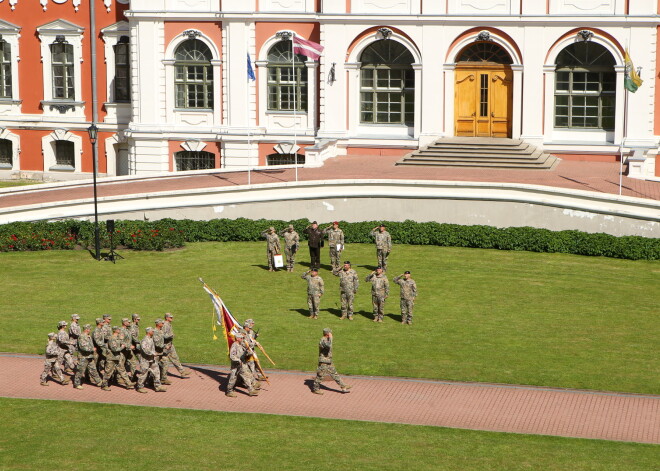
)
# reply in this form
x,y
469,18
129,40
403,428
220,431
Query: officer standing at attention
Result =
x,y
348,285
383,244
315,289
380,290
315,242
291,244
408,295
272,246
326,366
336,243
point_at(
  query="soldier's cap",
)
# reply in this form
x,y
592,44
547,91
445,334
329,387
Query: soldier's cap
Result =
x,y
314,270
87,327
52,335
159,321
379,268
327,331
314,222
99,320
335,222
382,225
248,323
406,272
116,328
291,226
107,316
271,228
75,316
169,314
149,329
239,336
125,319
62,324
346,262
136,317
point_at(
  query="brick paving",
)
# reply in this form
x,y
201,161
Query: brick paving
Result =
x,y
600,177
501,408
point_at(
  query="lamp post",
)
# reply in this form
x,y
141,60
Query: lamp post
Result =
x,y
93,133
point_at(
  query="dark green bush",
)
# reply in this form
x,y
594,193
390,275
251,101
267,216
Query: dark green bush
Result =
x,y
169,233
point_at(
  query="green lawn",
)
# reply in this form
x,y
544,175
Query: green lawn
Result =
x,y
6,184
482,315
68,435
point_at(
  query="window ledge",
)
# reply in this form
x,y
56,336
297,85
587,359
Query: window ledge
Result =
x,y
10,101
117,104
62,168
287,113
6,166
188,110
61,105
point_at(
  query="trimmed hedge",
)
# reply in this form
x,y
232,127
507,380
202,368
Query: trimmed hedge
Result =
x,y
168,233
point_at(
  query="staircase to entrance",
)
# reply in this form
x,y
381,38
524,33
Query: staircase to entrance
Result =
x,y
481,152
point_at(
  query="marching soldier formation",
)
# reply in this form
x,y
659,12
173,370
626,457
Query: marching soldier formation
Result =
x,y
112,354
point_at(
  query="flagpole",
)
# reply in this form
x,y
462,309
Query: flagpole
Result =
x,y
247,106
295,104
625,135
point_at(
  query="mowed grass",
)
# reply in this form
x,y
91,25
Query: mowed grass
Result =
x,y
7,184
67,435
482,315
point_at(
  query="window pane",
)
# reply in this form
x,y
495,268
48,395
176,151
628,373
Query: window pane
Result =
x,y
64,153
6,156
188,160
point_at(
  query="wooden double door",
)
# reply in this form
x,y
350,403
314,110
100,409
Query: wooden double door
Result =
x,y
483,100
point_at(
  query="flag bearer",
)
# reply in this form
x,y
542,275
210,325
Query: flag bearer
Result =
x,y
238,355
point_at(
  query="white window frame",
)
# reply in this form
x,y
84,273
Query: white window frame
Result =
x,y
116,112
15,148
73,35
48,150
10,34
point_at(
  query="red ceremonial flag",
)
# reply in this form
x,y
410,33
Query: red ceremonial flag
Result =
x,y
230,325
306,48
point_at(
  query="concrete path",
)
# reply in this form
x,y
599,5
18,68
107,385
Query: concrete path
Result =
x,y
600,177
501,408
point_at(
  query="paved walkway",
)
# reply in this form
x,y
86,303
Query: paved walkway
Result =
x,y
501,408
601,177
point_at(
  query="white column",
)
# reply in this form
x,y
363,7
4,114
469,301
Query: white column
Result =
x,y
216,64
169,91
417,125
449,78
620,109
549,101
516,129
312,80
352,89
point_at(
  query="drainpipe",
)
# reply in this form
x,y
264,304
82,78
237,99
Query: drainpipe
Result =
x,y
95,118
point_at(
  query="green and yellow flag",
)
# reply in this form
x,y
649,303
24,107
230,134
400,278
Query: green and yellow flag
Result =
x,y
632,81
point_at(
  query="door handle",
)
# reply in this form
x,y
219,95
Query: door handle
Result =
x,y
492,115
473,115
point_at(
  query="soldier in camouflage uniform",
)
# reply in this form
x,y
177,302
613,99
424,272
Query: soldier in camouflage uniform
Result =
x,y
272,246
51,365
86,359
348,284
315,289
238,355
291,244
383,244
107,327
172,356
127,360
148,363
380,290
134,330
251,342
64,342
336,243
74,332
98,337
161,351
115,346
408,295
326,367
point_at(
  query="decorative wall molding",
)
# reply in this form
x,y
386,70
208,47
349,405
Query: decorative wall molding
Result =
x,y
193,145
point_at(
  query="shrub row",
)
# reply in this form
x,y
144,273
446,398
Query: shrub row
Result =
x,y
168,233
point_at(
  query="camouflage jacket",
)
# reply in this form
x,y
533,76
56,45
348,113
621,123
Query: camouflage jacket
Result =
x,y
237,353
380,285
168,332
408,287
315,284
348,280
148,348
115,346
134,329
52,350
85,346
125,336
290,238
325,350
272,241
74,331
383,240
107,332
335,236
250,337
159,341
99,339
63,340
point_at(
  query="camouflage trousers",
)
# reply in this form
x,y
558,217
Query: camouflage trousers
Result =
x,y
163,366
99,361
241,370
125,364
313,302
173,358
290,256
148,367
382,255
66,359
270,254
86,365
407,310
378,303
347,304
326,369
111,367
53,369
335,257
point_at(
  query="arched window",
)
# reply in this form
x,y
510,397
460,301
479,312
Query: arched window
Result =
x,y
6,153
387,84
194,160
5,69
63,71
585,87
193,78
287,79
484,51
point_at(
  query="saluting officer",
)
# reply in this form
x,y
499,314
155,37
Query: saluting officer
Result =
x,y
380,290
408,295
315,289
336,243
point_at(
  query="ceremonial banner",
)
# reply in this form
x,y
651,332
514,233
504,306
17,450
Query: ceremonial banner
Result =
x,y
632,80
306,48
230,326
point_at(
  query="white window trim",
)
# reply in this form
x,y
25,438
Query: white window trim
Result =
x,y
73,34
116,112
11,34
48,150
15,148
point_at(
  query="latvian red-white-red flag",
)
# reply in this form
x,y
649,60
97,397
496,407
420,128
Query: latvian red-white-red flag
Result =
x,y
306,48
230,325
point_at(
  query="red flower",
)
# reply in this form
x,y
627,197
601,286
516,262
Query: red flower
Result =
x,y
11,246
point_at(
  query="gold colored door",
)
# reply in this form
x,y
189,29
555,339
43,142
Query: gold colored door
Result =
x,y
501,85
465,102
